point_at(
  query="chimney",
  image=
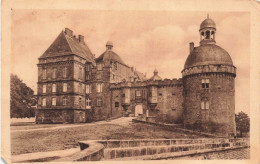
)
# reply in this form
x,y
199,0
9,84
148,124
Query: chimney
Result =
x,y
81,38
69,32
191,46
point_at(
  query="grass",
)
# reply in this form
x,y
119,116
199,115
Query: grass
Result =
x,y
65,138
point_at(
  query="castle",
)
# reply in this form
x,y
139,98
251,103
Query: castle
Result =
x,y
76,87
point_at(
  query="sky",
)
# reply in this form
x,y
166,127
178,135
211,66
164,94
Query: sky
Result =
x,y
146,40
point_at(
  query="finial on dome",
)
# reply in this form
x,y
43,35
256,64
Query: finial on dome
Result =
x,y
109,45
208,15
155,72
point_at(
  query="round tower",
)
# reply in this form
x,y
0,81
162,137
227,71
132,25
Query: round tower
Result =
x,y
209,85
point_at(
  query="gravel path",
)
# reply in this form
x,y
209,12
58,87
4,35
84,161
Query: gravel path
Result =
x,y
123,121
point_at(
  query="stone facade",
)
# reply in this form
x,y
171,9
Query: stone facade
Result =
x,y
74,86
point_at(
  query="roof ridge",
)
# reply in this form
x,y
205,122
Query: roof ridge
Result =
x,y
67,41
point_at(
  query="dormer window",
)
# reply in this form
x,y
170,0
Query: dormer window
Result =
x,y
88,67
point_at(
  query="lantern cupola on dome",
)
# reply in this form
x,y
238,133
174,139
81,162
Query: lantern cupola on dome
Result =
x,y
207,31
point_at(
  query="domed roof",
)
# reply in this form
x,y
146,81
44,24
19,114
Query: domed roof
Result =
x,y
110,56
207,23
109,43
208,54
155,76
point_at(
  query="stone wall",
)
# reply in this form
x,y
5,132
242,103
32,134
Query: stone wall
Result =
x,y
54,116
168,98
165,148
220,117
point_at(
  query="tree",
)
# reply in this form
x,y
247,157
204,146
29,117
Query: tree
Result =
x,y
21,99
242,122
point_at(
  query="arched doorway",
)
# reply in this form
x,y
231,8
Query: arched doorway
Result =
x,y
138,110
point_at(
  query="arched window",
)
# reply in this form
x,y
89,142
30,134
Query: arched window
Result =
x,y
207,34
116,104
202,33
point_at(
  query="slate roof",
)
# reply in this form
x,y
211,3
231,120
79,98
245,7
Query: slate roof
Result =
x,y
155,76
207,23
110,56
208,54
67,45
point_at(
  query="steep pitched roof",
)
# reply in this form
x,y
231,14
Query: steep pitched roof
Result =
x,y
67,45
140,75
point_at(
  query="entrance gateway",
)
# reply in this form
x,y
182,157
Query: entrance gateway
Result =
x,y
138,110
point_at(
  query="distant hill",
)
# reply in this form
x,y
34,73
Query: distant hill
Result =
x,y
21,99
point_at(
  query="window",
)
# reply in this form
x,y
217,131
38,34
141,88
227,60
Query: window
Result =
x,y
116,104
99,75
115,66
204,105
138,94
205,83
44,73
54,73
65,87
88,76
99,66
123,95
99,102
80,100
53,101
53,87
80,73
88,103
65,101
65,69
88,88
207,34
44,88
44,102
100,87
88,67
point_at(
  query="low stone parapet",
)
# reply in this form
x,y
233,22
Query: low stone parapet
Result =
x,y
143,148
89,151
